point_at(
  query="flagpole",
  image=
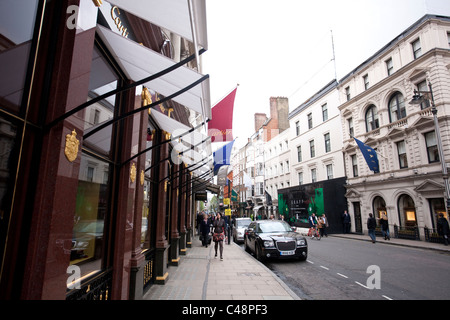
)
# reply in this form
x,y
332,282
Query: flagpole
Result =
x,y
237,85
373,149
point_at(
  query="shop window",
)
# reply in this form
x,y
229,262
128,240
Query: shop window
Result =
x,y
407,211
17,19
93,193
379,208
437,206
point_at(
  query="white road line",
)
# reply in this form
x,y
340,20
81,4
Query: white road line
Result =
x,y
361,285
386,297
324,268
309,261
342,275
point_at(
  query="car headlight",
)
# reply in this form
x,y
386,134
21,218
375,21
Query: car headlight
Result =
x,y
301,242
268,243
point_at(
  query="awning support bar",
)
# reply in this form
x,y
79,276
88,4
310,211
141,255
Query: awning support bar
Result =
x,y
124,88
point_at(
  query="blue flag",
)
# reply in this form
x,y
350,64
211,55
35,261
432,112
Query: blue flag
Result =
x,y
370,155
222,156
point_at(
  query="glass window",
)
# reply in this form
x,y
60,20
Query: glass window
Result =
x,y
299,153
300,178
325,112
347,93
312,149
297,128
313,175
417,49
329,171
432,148
423,87
327,142
397,108
372,122
390,66
350,127
310,121
407,211
354,165
88,242
402,158
17,19
366,81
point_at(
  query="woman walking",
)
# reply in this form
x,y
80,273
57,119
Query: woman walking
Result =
x,y
219,234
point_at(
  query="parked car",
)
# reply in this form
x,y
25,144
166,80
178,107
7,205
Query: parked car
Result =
x,y
274,239
239,226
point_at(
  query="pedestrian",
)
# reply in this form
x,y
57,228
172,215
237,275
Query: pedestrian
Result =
x,y
346,222
312,225
443,228
205,230
219,234
323,225
384,223
371,225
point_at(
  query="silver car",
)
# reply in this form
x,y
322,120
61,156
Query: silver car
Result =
x,y
239,226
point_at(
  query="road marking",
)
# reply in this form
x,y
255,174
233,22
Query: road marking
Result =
x,y
361,285
343,276
386,297
309,261
324,268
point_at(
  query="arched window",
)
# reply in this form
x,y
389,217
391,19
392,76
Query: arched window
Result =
x,y
372,122
379,208
407,211
397,109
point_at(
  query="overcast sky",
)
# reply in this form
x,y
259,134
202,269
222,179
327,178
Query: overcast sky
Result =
x,y
284,47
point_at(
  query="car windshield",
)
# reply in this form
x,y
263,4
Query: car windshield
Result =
x,y
274,227
243,223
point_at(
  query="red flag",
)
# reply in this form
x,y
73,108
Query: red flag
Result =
x,y
221,125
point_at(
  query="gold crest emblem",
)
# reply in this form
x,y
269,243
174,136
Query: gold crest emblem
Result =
x,y
71,148
133,172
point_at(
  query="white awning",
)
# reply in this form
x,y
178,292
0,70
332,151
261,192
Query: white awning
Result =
x,y
184,139
139,62
173,15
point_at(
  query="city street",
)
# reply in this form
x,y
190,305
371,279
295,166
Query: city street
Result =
x,y
337,269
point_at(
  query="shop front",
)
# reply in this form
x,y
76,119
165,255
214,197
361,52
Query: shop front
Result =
x,y
97,145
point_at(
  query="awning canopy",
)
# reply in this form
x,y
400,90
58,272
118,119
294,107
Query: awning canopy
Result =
x,y
139,62
193,146
177,16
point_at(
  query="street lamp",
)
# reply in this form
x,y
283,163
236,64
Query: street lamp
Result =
x,y
418,98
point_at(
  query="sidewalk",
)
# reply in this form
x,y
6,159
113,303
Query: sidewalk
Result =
x,y
239,276
394,241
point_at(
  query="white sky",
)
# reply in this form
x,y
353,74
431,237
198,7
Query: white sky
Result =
x,y
283,47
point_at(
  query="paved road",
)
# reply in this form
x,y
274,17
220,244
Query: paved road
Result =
x,y
338,269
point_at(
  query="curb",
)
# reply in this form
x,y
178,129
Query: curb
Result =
x,y
281,282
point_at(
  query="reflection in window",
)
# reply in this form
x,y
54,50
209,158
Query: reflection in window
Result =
x,y
88,242
147,237
397,108
432,148
17,20
372,122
